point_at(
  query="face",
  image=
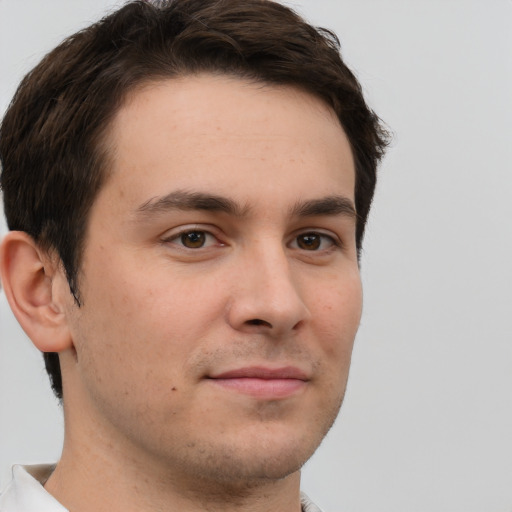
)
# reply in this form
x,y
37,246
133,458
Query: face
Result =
x,y
220,285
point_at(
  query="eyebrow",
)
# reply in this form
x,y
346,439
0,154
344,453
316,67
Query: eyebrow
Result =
x,y
330,205
187,200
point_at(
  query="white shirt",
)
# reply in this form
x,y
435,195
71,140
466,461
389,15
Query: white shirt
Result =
x,y
26,493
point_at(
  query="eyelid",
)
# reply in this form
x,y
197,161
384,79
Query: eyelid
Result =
x,y
171,236
334,239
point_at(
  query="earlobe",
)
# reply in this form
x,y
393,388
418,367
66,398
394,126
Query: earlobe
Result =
x,y
30,279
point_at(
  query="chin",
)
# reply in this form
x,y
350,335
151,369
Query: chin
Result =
x,y
258,460
240,473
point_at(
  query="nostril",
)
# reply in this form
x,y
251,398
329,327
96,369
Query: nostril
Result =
x,y
257,321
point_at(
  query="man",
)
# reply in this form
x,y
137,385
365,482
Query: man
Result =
x,y
186,185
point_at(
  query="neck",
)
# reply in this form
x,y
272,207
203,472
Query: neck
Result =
x,y
95,474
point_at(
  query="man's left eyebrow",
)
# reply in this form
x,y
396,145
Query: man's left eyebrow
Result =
x,y
330,205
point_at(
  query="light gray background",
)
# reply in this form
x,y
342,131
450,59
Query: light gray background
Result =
x,y
427,421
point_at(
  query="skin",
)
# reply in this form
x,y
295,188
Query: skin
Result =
x,y
269,281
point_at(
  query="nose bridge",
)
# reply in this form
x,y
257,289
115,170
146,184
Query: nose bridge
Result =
x,y
268,293
272,269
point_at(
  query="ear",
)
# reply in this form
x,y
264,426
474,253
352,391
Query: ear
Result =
x,y
35,287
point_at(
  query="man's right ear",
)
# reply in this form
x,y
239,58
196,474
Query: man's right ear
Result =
x,y
35,286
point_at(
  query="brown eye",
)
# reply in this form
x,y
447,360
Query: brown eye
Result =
x,y
309,241
193,239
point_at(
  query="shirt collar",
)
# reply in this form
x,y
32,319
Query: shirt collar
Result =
x,y
26,493
307,505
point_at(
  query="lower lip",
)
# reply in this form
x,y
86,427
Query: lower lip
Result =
x,y
263,388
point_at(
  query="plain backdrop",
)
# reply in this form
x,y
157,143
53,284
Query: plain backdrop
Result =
x,y
427,420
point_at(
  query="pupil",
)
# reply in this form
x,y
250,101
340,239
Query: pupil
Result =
x,y
193,240
309,242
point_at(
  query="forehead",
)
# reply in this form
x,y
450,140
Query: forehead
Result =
x,y
219,133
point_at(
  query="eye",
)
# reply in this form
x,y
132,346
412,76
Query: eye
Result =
x,y
193,239
313,242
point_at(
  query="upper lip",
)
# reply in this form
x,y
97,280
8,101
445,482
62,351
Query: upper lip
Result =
x,y
261,372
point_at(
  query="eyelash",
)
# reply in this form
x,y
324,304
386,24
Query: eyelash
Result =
x,y
333,242
178,238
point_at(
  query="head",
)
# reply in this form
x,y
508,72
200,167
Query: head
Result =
x,y
58,142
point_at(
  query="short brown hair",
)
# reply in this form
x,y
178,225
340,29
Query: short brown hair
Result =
x,y
50,139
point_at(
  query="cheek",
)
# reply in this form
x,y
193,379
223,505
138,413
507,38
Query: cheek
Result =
x,y
148,320
338,313
337,316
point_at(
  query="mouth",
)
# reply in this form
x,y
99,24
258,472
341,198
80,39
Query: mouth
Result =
x,y
263,383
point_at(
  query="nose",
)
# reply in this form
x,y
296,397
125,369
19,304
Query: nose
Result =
x,y
266,295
